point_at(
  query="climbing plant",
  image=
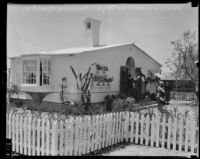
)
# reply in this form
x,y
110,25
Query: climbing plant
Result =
x,y
82,83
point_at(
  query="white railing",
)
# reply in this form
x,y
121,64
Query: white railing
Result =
x,y
82,135
183,96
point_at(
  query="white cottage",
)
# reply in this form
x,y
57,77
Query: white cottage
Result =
x,y
42,73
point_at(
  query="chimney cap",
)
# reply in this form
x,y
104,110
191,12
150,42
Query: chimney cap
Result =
x,y
91,19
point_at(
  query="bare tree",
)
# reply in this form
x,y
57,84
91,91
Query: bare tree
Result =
x,y
182,63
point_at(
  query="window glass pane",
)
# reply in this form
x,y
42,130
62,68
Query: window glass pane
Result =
x,y
29,71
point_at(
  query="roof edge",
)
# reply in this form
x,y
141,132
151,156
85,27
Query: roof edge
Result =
x,y
147,54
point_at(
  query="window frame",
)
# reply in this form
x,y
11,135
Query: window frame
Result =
x,y
38,74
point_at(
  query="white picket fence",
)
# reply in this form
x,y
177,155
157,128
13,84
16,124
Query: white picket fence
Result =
x,y
183,96
82,135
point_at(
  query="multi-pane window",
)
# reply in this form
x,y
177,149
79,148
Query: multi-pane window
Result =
x,y
45,71
30,68
29,71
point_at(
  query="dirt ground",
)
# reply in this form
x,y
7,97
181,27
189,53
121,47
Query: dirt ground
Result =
x,y
140,150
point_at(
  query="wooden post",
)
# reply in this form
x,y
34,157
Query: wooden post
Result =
x,y
174,133
163,131
21,134
141,129
169,133
72,133
47,137
137,128
193,130
10,126
25,134
33,138
132,126
29,134
152,130
157,131
61,138
180,133
89,134
147,130
17,132
54,141
67,137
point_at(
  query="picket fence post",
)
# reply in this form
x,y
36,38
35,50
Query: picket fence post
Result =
x,y
38,137
169,133
147,130
54,138
10,126
137,128
180,133
61,138
17,132
21,134
132,126
186,135
141,129
33,137
25,134
66,137
29,135
193,130
163,131
157,130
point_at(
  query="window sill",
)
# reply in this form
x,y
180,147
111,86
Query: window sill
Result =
x,y
35,88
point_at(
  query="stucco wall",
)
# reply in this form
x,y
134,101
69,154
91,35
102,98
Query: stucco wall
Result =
x,y
111,57
16,70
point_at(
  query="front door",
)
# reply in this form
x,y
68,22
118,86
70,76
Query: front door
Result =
x,y
123,80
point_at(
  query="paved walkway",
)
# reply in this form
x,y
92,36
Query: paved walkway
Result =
x,y
139,150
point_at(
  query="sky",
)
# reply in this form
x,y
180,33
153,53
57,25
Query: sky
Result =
x,y
36,28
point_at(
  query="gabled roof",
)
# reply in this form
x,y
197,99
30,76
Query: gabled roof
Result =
x,y
78,50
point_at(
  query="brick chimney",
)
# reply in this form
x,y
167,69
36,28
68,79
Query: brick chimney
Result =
x,y
92,28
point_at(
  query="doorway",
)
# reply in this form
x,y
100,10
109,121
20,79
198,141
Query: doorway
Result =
x,y
127,75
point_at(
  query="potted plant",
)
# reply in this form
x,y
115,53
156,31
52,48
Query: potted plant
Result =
x,y
99,68
104,68
95,80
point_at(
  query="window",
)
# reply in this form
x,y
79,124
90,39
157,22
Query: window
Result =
x,y
45,72
88,25
29,71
